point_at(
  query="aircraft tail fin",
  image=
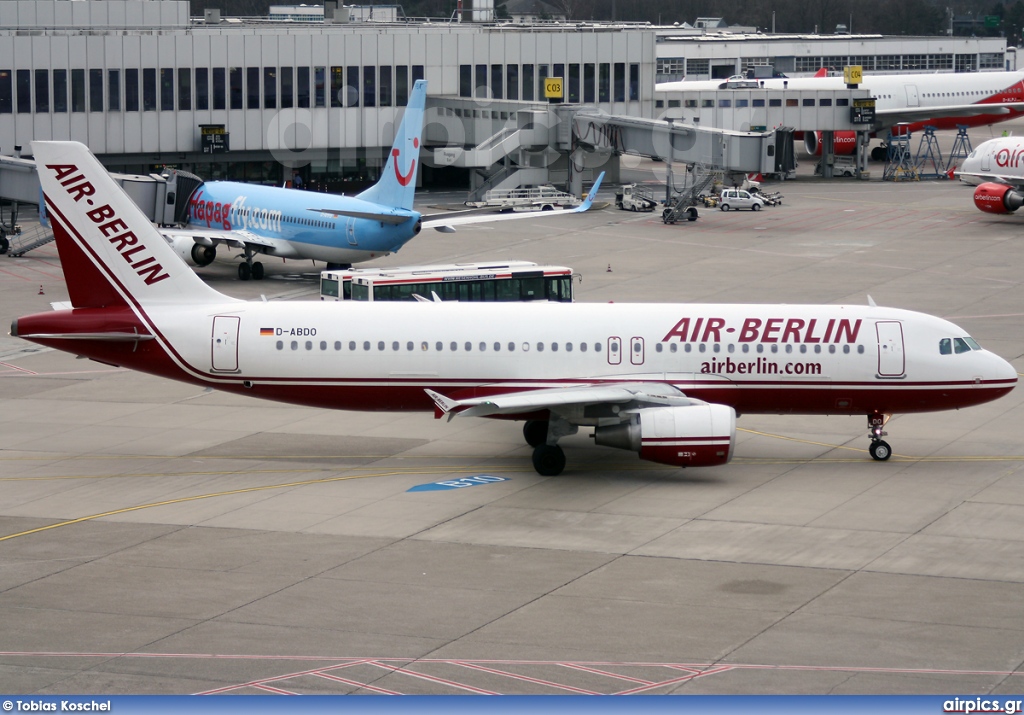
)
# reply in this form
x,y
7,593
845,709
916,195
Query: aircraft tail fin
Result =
x,y
110,253
397,185
823,72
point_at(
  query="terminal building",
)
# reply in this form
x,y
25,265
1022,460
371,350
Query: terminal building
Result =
x,y
144,84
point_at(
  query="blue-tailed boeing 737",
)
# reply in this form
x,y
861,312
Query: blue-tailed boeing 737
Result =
x,y
338,230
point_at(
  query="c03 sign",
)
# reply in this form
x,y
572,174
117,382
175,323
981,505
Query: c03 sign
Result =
x,y
553,88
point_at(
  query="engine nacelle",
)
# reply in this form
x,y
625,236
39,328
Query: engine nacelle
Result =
x,y
842,143
996,198
692,436
193,253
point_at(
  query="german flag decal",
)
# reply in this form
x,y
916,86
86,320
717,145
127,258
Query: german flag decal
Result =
x,y
266,331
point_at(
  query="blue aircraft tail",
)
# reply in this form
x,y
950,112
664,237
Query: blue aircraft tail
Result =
x,y
397,184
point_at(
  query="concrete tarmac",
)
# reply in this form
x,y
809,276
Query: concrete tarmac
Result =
x,y
159,538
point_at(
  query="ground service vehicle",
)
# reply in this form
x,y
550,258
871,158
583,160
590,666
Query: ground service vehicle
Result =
x,y
739,199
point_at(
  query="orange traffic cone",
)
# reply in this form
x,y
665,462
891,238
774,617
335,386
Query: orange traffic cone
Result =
x,y
41,290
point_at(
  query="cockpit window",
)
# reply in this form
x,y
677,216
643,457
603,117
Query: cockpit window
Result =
x,y
973,343
960,346
945,346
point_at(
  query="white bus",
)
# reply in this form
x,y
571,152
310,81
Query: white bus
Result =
x,y
466,282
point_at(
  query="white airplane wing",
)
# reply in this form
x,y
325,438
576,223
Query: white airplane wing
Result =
x,y
213,237
445,223
1015,181
632,395
918,114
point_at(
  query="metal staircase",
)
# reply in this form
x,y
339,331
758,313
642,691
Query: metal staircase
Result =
x,y
22,243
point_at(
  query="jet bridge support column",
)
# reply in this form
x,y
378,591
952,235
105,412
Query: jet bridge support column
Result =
x,y
828,153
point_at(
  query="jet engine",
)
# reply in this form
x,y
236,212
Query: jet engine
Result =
x,y
996,198
701,435
842,143
194,254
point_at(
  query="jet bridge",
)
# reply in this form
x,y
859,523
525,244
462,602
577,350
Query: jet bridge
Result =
x,y
162,197
512,144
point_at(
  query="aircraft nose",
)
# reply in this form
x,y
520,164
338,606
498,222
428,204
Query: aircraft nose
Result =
x,y
999,369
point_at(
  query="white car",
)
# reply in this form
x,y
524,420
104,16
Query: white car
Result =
x,y
739,199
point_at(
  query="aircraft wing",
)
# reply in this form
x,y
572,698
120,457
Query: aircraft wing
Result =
x,y
1016,181
213,237
445,223
632,395
920,114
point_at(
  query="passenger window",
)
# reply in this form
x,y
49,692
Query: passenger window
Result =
x,y
554,347
337,345
831,349
673,347
716,348
408,345
775,348
394,345
688,347
817,348
295,345
583,347
497,346
380,344
540,347
658,348
760,348
469,346
526,347
959,346
803,348
702,347
568,347
424,346
280,345
597,347
789,348
309,345
483,347
351,344
511,347
846,350
366,345
731,347
860,349
454,346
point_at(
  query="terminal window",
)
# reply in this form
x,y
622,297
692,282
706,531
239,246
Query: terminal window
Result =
x,y
60,90
604,82
6,92
528,83
166,90
114,90
338,85
269,88
252,87
78,90
184,89
369,86
465,80
202,88
588,83
384,95
512,81
42,91
620,81
24,89
219,88
131,89
401,86
320,86
302,87
95,90
235,84
288,87
496,81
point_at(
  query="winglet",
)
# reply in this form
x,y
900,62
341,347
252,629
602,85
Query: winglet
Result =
x,y
823,72
444,405
591,195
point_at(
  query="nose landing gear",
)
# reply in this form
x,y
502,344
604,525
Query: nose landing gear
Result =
x,y
879,449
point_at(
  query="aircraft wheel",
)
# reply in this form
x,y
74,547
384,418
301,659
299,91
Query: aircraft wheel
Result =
x,y
756,207
257,271
535,432
4,245
691,214
725,207
880,450
548,460
879,153
244,272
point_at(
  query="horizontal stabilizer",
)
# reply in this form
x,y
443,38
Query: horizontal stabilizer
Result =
x,y
390,218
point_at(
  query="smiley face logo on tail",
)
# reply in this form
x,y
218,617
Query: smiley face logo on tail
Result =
x,y
404,180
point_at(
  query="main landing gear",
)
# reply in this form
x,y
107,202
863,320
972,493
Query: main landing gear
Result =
x,y
879,449
250,269
543,436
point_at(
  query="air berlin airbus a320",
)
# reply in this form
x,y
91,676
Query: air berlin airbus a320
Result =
x,y
664,380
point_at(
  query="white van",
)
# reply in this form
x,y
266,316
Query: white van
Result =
x,y
739,199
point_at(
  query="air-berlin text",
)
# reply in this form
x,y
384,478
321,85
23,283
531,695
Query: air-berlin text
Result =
x,y
113,228
768,330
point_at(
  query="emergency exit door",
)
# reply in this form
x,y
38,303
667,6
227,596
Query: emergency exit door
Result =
x,y
224,343
891,358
